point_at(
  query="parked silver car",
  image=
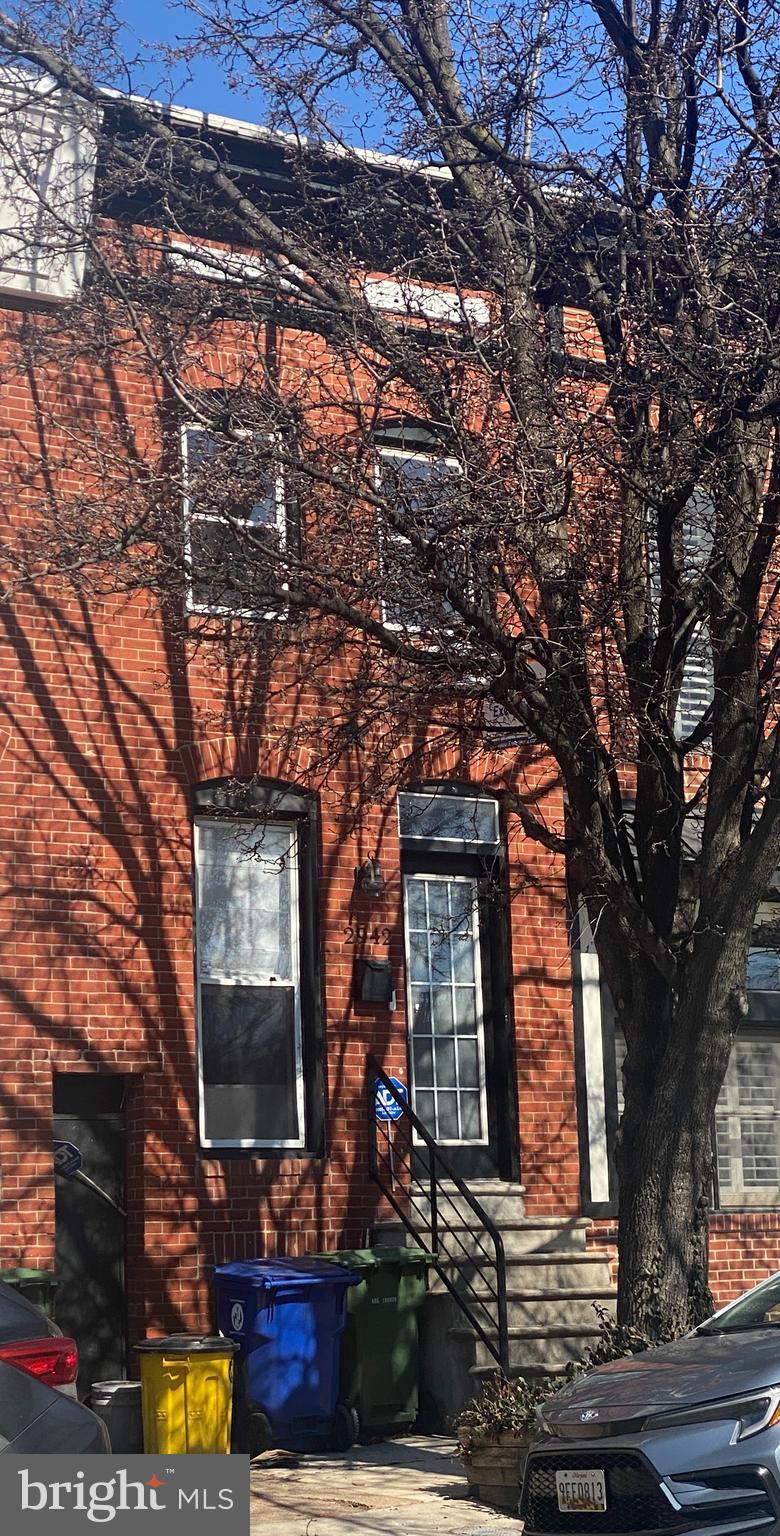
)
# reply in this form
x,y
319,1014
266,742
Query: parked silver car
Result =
x,y
684,1438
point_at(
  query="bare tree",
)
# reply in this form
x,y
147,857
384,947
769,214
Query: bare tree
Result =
x,y
580,346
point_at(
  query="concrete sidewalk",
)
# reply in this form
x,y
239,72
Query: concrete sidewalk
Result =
x,y
409,1487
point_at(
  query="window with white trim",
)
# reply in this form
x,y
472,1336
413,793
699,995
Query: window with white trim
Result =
x,y
698,681
229,537
249,984
419,484
747,1122
747,1117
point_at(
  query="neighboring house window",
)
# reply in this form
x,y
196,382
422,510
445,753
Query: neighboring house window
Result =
x,y
223,540
747,1122
698,682
747,1118
256,975
417,483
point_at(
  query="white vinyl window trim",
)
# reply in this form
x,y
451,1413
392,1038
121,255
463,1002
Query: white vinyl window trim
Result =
x,y
215,610
747,1120
253,978
479,1007
390,537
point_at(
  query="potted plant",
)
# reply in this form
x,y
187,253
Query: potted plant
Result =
x,y
494,1432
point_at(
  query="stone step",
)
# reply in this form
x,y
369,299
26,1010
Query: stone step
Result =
x,y
545,1313
581,1273
529,1346
542,1238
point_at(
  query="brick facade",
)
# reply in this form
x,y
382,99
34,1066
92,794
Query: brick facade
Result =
x,y
106,727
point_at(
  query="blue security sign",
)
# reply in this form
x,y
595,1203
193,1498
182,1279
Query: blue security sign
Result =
x,y
384,1103
67,1159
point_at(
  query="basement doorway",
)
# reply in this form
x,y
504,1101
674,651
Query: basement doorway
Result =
x,y
90,1225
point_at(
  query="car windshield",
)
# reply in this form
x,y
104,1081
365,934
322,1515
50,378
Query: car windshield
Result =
x,y
759,1309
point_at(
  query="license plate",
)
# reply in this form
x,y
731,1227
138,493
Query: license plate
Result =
x,y
581,1492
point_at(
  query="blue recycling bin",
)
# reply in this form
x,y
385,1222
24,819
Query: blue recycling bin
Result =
x,y
287,1317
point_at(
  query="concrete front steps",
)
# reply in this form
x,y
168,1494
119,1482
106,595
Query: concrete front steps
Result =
x,y
553,1281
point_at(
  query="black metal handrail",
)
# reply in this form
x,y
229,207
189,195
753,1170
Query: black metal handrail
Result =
x,y
394,1169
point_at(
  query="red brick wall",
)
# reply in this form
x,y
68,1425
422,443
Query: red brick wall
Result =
x,y
104,726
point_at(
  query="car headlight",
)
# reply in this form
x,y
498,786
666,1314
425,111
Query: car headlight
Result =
x,y
753,1413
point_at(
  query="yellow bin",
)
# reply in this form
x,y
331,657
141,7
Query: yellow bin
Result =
x,y
186,1394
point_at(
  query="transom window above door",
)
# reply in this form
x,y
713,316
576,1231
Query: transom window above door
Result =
x,y
440,816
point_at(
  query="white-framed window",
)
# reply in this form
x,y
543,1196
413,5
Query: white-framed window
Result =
x,y
747,1122
224,538
747,1117
248,949
698,681
417,483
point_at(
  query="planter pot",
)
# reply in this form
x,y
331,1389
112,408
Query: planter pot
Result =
x,y
494,1466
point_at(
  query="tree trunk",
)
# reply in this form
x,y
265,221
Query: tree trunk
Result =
x,y
662,1235
675,1065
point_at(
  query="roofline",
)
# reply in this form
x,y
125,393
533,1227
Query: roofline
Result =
x,y
257,133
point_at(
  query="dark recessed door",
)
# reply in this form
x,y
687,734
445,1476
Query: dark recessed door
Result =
x,y
90,1233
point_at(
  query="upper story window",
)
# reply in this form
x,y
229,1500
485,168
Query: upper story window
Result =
x,y
419,484
48,154
235,522
257,970
698,681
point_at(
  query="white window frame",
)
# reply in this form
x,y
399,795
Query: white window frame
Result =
x,y
429,795
257,978
741,1196
730,1197
479,1005
389,536
214,610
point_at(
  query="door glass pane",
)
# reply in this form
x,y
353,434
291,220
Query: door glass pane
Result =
x,y
470,1116
468,1064
445,1062
423,1062
447,1116
445,1002
244,900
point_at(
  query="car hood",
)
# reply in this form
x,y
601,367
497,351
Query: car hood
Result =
x,y
693,1370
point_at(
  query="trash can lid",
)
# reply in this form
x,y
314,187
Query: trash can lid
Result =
x,y
384,1253
270,1273
188,1344
9,1275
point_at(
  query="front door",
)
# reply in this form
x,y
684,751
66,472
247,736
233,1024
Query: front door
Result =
x,y
452,1025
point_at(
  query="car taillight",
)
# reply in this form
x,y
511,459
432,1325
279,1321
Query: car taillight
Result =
x,y
55,1361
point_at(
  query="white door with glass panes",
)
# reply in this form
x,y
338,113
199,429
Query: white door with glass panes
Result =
x,y
445,1007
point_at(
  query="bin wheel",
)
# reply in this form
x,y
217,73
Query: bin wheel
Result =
x,y
260,1433
346,1428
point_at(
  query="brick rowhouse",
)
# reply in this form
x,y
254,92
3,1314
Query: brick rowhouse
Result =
x,y
110,733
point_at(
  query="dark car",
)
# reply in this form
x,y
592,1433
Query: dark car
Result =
x,y
38,1369
681,1438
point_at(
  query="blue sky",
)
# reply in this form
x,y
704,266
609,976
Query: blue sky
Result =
x,y
153,22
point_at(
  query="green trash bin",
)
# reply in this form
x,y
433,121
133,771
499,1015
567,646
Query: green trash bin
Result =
x,y
36,1285
380,1353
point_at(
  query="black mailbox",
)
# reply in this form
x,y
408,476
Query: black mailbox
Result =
x,y
373,980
